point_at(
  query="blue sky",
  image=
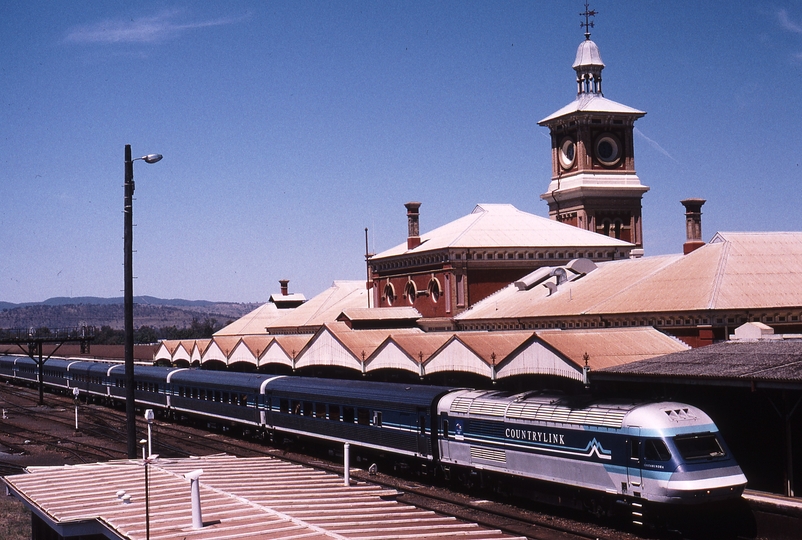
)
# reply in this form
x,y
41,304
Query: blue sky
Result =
x,y
289,127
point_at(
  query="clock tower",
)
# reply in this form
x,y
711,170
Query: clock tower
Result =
x,y
593,183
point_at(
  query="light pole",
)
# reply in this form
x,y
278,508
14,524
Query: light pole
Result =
x,y
128,248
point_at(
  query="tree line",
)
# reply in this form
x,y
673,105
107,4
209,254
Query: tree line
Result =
x,y
106,335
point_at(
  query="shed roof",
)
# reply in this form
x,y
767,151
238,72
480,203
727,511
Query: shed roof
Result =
x,y
769,363
258,498
503,225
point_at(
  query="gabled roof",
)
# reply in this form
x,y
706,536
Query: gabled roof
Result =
x,y
254,322
323,308
610,346
734,271
503,225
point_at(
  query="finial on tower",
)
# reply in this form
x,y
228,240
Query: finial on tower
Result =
x,y
588,24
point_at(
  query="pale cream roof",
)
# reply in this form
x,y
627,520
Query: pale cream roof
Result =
x,y
592,103
611,346
734,271
503,225
324,307
254,322
254,498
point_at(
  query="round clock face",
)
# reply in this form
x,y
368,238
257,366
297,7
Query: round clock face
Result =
x,y
608,150
567,153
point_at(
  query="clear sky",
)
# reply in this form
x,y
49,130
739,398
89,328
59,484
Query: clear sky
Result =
x,y
288,127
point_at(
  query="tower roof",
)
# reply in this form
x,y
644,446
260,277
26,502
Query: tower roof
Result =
x,y
592,103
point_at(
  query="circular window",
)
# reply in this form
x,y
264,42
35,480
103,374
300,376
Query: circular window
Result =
x,y
410,292
389,294
567,153
434,290
608,150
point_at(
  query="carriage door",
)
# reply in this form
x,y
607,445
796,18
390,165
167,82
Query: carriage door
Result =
x,y
424,443
635,462
443,439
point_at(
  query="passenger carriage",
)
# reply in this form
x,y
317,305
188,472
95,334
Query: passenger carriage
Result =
x,y
382,416
225,396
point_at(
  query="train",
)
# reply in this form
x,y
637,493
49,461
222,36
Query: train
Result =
x,y
604,453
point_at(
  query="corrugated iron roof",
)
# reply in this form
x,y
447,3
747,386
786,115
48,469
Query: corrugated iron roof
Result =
x,y
381,314
262,498
610,346
324,307
734,271
254,322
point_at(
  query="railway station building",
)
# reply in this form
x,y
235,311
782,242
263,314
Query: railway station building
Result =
x,y
504,298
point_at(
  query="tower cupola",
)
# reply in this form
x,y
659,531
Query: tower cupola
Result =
x,y
588,66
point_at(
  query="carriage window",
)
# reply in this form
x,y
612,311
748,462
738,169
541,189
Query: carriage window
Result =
x,y
284,405
226,397
334,412
445,429
217,395
698,446
422,426
348,414
656,450
308,408
296,407
320,410
363,416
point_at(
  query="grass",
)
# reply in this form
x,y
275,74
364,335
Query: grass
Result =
x,y
15,519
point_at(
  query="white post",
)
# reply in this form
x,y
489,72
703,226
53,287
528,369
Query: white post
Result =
x,y
75,393
149,418
346,465
197,517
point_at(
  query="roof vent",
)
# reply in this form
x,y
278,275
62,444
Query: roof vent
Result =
x,y
197,516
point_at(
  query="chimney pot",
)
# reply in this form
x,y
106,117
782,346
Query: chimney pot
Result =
x,y
693,224
284,286
413,224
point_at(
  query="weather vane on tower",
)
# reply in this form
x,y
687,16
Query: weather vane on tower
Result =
x,y
588,24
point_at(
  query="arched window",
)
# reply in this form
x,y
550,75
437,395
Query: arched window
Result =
x,y
434,290
410,292
389,294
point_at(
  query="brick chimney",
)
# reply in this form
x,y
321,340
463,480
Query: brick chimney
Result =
x,y
284,286
693,225
413,222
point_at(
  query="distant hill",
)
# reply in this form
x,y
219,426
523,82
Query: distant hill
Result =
x,y
92,311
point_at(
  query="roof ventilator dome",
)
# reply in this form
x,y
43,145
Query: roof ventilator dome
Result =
x,y
577,268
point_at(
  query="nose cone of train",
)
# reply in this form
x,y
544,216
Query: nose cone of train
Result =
x,y
707,485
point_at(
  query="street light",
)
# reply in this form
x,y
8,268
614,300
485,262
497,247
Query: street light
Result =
x,y
128,248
